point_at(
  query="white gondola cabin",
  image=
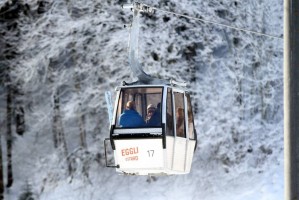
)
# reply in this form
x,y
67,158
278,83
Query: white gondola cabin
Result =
x,y
152,131
164,146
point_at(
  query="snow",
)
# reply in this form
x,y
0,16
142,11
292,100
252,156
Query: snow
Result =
x,y
235,79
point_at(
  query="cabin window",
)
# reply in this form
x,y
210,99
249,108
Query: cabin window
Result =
x,y
190,118
179,114
139,107
169,113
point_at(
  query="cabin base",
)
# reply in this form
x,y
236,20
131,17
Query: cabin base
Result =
x,y
147,156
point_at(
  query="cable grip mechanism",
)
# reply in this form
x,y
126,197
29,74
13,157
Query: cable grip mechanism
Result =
x,y
139,7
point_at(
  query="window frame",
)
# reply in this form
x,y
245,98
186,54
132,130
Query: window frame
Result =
x,y
174,112
120,99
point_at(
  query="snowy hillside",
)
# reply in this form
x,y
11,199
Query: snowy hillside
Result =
x,y
59,57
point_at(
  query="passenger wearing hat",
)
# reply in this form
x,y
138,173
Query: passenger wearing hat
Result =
x,y
130,117
153,117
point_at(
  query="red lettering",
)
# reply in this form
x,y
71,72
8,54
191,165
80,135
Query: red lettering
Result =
x,y
129,151
134,158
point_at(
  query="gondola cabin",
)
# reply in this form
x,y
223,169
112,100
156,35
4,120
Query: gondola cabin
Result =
x,y
152,131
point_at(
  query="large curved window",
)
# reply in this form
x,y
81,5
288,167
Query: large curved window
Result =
x,y
139,107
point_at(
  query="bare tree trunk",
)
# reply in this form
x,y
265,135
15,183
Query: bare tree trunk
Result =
x,y
83,142
19,110
81,116
9,31
20,120
55,124
58,132
9,137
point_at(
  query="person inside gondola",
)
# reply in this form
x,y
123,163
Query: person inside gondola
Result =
x,y
153,117
130,117
180,122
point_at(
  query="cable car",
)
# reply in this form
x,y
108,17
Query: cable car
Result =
x,y
152,130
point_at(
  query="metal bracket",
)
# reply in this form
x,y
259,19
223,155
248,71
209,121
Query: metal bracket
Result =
x,y
182,84
143,8
139,7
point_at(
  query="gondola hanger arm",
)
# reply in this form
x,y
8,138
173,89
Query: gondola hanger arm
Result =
x,y
136,68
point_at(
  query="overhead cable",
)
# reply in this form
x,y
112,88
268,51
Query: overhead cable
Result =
x,y
212,22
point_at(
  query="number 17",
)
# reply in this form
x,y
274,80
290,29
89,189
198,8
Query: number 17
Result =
x,y
151,153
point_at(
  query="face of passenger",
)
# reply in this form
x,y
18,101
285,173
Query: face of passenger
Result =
x,y
150,112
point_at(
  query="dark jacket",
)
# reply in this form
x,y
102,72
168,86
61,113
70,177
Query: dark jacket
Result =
x,y
131,118
155,120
